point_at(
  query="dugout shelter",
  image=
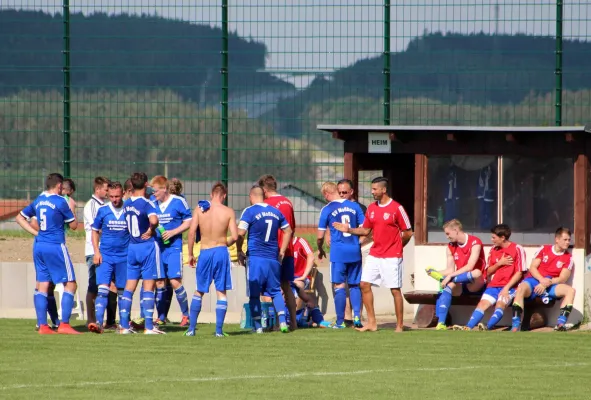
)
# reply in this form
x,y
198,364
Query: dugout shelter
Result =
x,y
534,179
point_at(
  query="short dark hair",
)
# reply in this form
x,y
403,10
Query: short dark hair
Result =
x,y
268,182
115,185
562,230
219,188
127,185
347,181
53,179
100,181
501,230
380,179
71,183
139,180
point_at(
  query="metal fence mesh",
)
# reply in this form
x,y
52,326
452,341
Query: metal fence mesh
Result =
x,y
146,88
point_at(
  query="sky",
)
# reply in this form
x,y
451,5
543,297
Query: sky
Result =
x,y
322,35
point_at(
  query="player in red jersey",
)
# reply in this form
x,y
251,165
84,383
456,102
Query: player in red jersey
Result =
x,y
269,185
505,269
464,272
391,232
550,269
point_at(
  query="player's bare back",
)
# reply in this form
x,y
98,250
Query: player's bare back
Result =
x,y
214,225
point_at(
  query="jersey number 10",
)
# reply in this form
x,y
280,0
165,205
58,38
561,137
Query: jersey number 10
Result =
x,y
133,225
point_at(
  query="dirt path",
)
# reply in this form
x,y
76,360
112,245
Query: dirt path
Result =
x,y
21,249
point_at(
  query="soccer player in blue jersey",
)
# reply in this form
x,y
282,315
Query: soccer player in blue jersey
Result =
x,y
175,217
345,252
265,254
110,228
213,219
143,254
51,257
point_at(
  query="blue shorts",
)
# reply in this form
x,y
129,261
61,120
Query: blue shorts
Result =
x,y
287,269
263,276
92,286
143,261
172,263
349,272
491,294
53,263
214,265
112,269
533,282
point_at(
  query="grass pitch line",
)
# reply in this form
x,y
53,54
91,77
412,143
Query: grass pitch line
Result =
x,y
277,376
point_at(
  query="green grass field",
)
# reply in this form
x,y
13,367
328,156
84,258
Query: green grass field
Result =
x,y
303,364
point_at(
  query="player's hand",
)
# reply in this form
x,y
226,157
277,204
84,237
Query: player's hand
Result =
x,y
147,234
546,282
97,259
241,258
192,261
504,296
445,281
506,260
167,235
539,289
341,227
321,253
281,256
327,240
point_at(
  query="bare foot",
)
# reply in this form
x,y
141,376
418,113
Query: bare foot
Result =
x,y
367,328
399,328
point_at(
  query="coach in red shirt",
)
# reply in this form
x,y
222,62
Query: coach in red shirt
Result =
x,y
391,232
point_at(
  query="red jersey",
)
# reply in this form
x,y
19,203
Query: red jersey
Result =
x,y
552,262
301,251
503,275
387,222
461,253
284,205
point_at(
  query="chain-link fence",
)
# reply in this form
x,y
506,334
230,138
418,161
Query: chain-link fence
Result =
x,y
229,90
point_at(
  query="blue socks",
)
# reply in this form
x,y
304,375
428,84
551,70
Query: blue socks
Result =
x,y
102,299
181,296
340,302
195,310
317,316
52,309
40,300
466,277
220,315
255,311
67,303
142,311
149,310
125,308
475,318
279,305
355,298
443,304
160,304
495,318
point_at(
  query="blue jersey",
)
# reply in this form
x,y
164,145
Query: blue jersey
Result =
x,y
137,211
344,247
114,236
52,212
262,222
171,214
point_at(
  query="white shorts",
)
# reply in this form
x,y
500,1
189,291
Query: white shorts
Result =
x,y
386,272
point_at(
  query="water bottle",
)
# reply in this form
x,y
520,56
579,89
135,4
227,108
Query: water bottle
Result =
x,y
440,216
162,230
545,297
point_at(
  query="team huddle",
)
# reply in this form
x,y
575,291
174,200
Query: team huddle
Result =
x,y
139,236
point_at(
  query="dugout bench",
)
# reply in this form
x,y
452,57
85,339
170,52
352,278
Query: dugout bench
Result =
x,y
534,315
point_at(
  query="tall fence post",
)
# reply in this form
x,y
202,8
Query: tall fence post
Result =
x,y
386,56
66,88
224,104
558,70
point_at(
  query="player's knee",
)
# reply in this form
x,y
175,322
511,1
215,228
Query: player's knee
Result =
x,y
476,273
338,285
72,286
571,291
365,286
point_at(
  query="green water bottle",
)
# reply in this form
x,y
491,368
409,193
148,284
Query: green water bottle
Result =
x,y
162,230
440,216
